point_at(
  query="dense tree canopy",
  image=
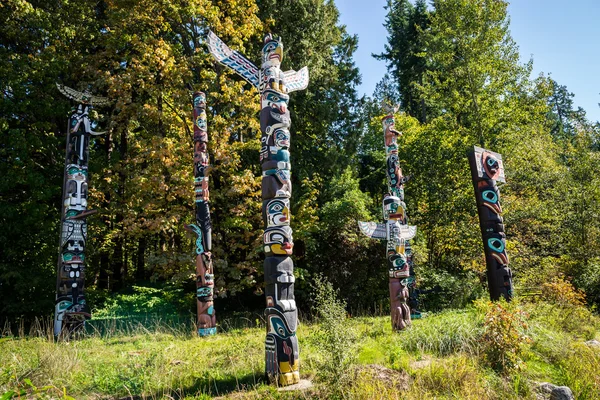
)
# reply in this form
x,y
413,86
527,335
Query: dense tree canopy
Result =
x,y
452,66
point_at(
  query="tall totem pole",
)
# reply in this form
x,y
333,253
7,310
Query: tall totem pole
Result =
x,y
486,169
71,310
395,229
281,345
206,322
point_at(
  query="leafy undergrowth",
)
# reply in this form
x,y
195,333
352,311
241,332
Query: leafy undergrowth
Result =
x,y
443,356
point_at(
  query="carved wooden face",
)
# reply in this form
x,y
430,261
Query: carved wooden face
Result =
x,y
274,100
201,121
392,208
278,241
272,52
277,212
491,165
199,100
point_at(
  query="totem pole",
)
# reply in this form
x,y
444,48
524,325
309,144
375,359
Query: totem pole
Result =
x,y
71,310
281,344
206,322
395,229
486,169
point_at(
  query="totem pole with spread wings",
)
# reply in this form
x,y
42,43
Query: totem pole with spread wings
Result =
x,y
71,310
395,229
281,344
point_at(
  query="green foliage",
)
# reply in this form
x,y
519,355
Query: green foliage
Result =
x,y
405,22
453,67
334,336
504,337
146,301
561,292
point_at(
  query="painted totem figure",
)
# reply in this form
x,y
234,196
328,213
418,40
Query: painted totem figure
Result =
x,y
281,344
71,310
395,229
206,322
486,169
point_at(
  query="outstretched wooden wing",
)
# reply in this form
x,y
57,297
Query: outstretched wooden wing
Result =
x,y
296,80
389,108
82,97
408,232
373,230
232,59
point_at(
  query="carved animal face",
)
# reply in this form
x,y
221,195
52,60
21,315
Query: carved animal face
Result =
x,y
272,51
392,208
277,212
274,100
282,137
278,241
77,172
201,120
278,327
491,165
199,100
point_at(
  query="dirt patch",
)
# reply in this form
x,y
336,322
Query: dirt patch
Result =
x,y
302,385
425,362
389,377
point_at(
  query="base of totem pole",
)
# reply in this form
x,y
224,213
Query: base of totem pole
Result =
x,y
302,385
207,331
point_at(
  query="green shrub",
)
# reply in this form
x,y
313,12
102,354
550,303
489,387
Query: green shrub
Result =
x,y
561,292
145,301
334,336
504,336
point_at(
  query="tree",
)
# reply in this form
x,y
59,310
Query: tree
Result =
x,y
406,25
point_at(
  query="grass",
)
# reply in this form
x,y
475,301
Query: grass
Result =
x,y
439,357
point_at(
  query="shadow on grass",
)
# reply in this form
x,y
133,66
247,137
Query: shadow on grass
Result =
x,y
225,385
207,386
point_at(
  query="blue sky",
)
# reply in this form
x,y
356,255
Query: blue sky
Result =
x,y
562,37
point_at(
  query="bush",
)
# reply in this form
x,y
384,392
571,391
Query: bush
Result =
x,y
145,301
504,339
561,292
334,336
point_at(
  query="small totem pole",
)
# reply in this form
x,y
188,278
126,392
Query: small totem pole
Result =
x,y
71,310
395,229
486,169
206,322
281,345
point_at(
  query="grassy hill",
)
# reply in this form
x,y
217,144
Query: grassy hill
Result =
x,y
484,352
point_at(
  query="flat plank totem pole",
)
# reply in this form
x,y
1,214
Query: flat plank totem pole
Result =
x,y
395,229
281,344
487,169
71,310
206,322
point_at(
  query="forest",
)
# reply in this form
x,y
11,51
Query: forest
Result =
x,y
452,66
456,74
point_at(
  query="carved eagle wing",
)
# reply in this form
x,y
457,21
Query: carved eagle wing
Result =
x,y
373,230
232,59
408,232
296,80
82,97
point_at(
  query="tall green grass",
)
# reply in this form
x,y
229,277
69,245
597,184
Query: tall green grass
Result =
x,y
439,357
